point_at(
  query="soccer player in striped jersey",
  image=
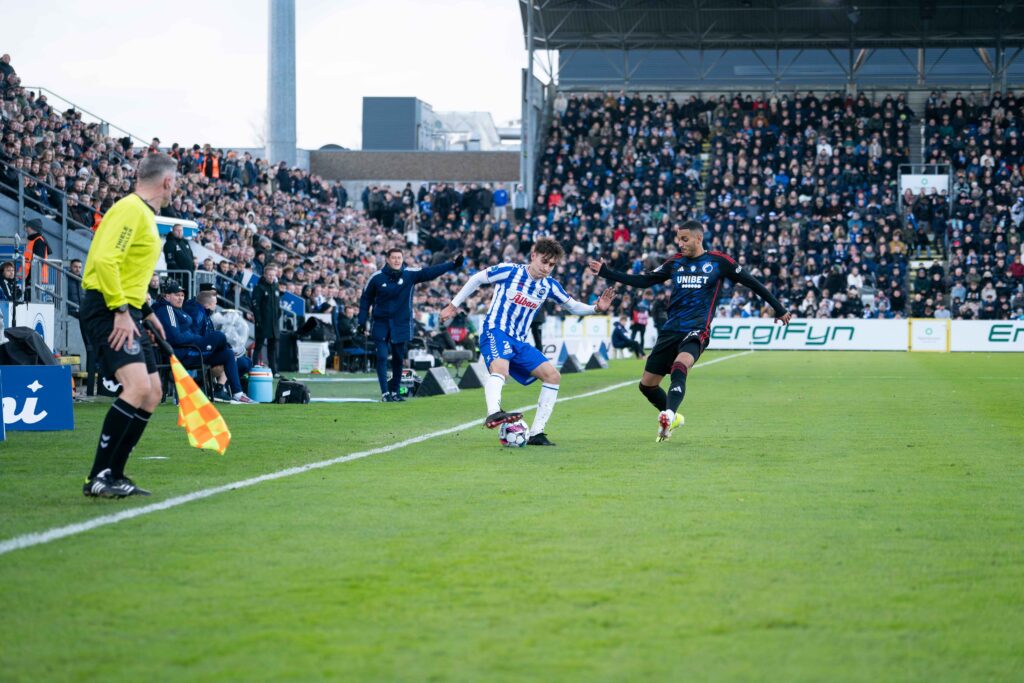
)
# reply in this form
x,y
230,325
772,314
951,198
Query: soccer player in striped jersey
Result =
x,y
696,276
519,291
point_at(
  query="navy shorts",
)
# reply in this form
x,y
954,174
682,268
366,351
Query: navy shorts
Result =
x,y
670,345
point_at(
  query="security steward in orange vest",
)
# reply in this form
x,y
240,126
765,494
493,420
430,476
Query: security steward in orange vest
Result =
x,y
35,247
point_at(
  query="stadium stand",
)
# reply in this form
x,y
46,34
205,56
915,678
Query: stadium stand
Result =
x,y
801,188
248,212
979,135
812,191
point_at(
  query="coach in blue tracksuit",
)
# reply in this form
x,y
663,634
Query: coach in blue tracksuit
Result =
x,y
389,293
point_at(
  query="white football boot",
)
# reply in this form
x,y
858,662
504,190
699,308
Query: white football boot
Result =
x,y
668,422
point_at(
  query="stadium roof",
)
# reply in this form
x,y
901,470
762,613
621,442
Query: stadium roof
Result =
x,y
770,24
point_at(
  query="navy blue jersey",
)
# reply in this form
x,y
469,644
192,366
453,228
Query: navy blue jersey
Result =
x,y
388,293
696,285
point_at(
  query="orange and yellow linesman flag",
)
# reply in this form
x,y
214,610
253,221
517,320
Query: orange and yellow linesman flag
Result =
x,y
202,422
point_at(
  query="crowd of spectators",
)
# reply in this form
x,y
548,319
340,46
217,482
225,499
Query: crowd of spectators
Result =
x,y
800,189
980,136
249,213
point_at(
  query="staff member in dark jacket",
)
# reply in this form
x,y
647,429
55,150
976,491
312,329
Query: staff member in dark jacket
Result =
x,y
178,256
75,288
389,293
622,340
266,308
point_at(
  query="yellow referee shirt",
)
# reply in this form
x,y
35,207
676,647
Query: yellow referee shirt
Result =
x,y
123,253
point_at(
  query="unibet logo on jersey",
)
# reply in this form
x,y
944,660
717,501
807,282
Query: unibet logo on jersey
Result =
x,y
692,281
687,277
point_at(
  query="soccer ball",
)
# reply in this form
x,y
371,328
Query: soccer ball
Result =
x,y
514,434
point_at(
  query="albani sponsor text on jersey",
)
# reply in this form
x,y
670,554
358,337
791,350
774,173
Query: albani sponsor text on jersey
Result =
x,y
522,300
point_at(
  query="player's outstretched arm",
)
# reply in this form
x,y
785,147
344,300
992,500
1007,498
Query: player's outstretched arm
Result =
x,y
448,312
472,284
579,308
605,300
643,281
740,276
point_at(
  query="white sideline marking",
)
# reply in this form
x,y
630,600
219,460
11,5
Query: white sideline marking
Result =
x,y
29,540
337,379
314,399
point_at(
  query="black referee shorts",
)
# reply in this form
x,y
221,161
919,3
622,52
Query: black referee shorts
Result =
x,y
97,322
670,345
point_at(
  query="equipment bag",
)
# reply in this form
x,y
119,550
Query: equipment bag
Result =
x,y
291,392
25,347
316,330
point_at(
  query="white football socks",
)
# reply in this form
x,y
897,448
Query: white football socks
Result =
x,y
545,404
492,392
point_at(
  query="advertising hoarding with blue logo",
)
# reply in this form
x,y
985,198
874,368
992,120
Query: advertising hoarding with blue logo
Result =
x,y
37,397
293,304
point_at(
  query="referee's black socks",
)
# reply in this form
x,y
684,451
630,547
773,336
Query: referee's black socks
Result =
x,y
131,438
115,428
677,390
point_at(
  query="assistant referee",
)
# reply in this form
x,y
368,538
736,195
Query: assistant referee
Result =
x,y
118,269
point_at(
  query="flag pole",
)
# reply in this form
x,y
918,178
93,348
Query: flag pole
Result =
x,y
164,346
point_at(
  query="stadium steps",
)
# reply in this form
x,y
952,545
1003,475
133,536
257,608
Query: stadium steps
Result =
x,y
705,159
916,100
916,147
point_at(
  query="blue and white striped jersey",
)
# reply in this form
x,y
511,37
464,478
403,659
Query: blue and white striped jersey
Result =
x,y
517,296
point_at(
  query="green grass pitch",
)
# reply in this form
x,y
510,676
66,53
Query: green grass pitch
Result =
x,y
821,517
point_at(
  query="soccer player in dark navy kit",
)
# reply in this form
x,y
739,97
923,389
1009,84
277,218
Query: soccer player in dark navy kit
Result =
x,y
389,293
697,276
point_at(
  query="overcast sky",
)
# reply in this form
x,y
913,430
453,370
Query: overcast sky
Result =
x,y
196,70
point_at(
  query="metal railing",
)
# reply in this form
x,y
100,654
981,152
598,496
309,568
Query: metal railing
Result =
x,y
61,212
48,283
277,245
236,301
219,280
107,125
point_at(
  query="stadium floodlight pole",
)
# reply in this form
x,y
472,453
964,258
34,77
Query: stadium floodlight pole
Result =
x,y
528,129
281,83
